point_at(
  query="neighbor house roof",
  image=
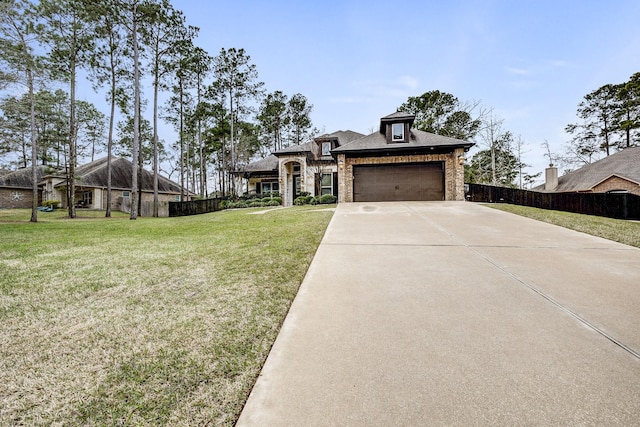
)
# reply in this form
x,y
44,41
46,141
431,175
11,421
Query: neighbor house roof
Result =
x,y
624,164
21,178
94,174
419,140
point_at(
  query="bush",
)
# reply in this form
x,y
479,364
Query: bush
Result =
x,y
327,199
273,202
277,199
240,205
300,200
255,204
54,204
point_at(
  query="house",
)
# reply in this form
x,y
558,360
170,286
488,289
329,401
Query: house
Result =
x,y
619,172
393,164
91,186
303,168
16,188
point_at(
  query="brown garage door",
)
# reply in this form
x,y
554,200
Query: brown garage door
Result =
x,y
390,183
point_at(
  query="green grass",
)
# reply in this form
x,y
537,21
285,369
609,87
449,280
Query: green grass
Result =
x,y
148,322
627,232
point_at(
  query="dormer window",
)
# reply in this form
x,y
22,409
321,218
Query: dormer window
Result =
x,y
397,132
326,148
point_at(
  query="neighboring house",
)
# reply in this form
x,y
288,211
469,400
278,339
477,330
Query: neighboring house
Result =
x,y
16,188
396,163
91,186
619,172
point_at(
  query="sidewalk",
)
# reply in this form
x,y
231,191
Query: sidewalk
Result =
x,y
453,313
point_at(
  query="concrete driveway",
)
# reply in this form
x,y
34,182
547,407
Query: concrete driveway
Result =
x,y
452,313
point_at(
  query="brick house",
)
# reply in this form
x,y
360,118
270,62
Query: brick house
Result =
x,y
619,172
91,186
396,163
16,188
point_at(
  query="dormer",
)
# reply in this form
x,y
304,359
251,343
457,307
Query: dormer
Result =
x,y
397,127
325,145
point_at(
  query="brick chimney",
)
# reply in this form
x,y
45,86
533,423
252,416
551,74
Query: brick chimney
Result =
x,y
550,178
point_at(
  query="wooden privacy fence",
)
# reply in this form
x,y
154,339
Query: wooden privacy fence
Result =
x,y
194,207
612,205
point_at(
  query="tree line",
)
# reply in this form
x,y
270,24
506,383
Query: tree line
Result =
x,y
499,161
609,121
220,111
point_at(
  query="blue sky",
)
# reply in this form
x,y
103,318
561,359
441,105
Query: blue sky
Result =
x,y
356,61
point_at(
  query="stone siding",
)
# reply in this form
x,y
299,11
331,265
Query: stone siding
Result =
x,y
453,171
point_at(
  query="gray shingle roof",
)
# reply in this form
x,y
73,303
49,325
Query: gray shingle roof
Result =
x,y
343,137
625,164
419,140
94,174
21,178
268,164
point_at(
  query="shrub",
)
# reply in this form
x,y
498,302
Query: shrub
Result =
x,y
277,199
241,205
266,199
273,202
51,203
327,199
255,204
300,200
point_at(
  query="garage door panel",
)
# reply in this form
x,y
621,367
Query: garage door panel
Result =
x,y
386,183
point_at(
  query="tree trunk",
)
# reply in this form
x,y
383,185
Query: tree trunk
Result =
x,y
136,118
110,137
155,140
72,140
34,150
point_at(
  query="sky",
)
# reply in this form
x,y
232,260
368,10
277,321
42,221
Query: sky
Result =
x,y
530,61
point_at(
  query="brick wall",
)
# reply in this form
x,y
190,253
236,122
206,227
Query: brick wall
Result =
x,y
13,198
453,171
617,183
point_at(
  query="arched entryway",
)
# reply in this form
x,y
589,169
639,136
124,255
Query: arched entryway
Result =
x,y
292,175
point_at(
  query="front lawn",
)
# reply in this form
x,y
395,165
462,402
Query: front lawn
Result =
x,y
618,230
148,322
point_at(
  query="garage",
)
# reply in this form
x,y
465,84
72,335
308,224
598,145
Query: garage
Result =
x,y
398,182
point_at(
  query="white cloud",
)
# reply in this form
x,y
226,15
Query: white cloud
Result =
x,y
518,71
408,81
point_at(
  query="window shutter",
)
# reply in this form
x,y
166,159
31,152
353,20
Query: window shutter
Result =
x,y
258,188
317,185
335,184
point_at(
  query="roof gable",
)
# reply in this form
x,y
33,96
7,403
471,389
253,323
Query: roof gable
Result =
x,y
624,164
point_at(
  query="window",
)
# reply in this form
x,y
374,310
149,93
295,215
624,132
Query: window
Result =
x,y
326,148
270,187
177,198
326,184
125,194
397,132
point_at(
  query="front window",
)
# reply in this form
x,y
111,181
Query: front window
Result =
x,y
326,148
397,132
326,184
270,187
